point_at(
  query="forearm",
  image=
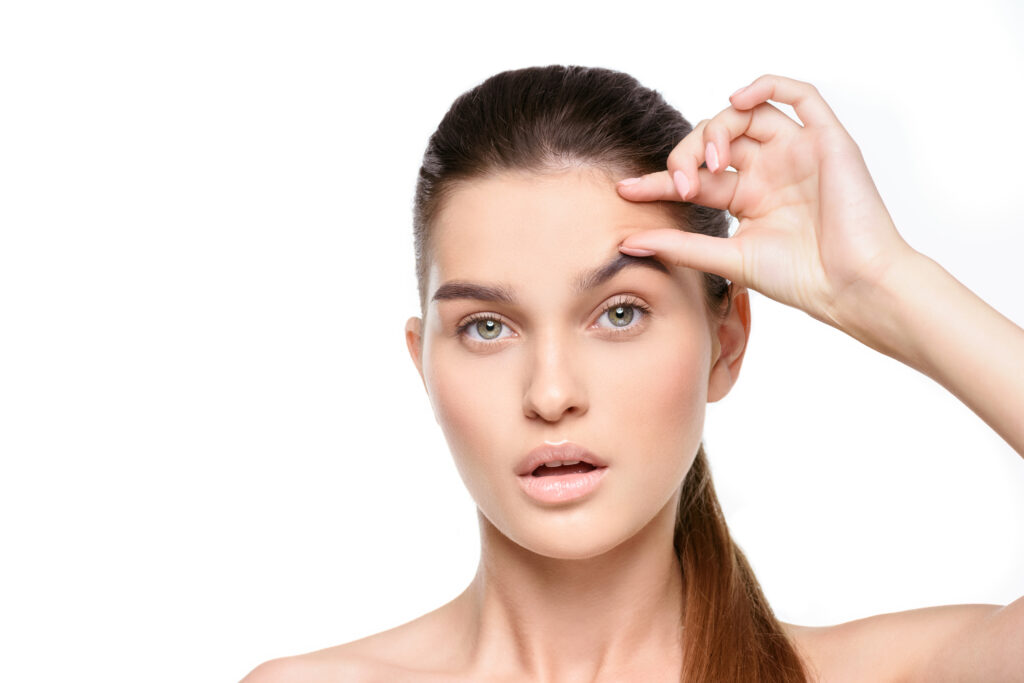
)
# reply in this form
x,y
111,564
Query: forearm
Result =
x,y
923,317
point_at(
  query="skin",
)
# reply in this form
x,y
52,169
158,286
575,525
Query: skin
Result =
x,y
590,592
591,589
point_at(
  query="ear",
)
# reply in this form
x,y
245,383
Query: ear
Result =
x,y
730,335
414,341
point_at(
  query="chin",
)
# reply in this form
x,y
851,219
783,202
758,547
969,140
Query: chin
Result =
x,y
574,535
592,543
581,547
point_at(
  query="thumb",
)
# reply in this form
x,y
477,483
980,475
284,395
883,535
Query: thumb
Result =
x,y
718,255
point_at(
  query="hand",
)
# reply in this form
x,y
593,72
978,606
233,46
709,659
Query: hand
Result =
x,y
813,232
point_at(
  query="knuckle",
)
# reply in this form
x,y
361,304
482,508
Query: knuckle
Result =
x,y
714,131
673,156
804,87
682,149
680,160
673,163
809,87
698,130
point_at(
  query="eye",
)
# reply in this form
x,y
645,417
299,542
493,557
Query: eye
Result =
x,y
622,313
626,314
487,327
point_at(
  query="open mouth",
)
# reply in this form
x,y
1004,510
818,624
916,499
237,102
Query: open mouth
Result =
x,y
562,483
576,468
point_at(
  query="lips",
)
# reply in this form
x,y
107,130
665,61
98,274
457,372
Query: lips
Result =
x,y
545,453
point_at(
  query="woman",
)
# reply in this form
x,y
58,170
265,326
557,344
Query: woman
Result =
x,y
579,309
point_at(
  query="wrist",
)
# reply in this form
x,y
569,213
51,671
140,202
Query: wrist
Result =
x,y
884,313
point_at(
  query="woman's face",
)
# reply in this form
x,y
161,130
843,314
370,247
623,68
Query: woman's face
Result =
x,y
626,384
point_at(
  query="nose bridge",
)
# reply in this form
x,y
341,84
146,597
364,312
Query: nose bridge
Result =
x,y
554,384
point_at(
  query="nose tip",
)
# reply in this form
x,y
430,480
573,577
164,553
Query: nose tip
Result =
x,y
551,411
554,389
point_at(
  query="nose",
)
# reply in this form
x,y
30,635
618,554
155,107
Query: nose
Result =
x,y
554,386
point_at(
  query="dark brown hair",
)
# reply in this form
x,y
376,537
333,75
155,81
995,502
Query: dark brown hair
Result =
x,y
545,119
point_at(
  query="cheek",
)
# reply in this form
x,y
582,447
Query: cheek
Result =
x,y
661,394
473,405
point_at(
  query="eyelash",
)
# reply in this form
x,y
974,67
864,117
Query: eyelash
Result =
x,y
624,300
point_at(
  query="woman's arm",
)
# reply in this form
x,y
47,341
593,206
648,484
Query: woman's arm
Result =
x,y
922,316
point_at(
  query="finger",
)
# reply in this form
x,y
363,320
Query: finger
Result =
x,y
718,255
716,189
805,99
691,151
709,142
742,152
712,189
739,154
649,188
767,122
763,124
688,155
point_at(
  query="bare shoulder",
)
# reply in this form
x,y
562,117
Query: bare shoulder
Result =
x,y
381,657
406,652
339,663
942,643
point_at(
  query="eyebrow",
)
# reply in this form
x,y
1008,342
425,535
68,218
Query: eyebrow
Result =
x,y
463,289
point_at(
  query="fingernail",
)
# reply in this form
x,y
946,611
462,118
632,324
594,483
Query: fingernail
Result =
x,y
630,181
682,184
738,91
711,156
633,251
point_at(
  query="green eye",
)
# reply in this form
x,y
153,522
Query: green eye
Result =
x,y
621,315
627,315
488,329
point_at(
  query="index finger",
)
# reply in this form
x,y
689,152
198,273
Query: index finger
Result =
x,y
805,99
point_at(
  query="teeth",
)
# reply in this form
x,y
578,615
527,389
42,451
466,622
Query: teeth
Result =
x,y
556,463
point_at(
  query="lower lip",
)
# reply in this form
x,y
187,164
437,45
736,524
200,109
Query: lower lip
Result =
x,y
560,488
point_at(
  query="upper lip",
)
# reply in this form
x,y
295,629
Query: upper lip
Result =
x,y
544,454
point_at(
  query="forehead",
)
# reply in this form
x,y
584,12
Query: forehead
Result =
x,y
523,228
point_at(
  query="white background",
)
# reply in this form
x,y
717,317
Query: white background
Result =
x,y
215,449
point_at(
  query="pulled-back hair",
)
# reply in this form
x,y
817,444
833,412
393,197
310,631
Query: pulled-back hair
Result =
x,y
548,119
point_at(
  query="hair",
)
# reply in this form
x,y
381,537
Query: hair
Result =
x,y
549,119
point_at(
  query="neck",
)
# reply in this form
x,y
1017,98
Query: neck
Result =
x,y
614,616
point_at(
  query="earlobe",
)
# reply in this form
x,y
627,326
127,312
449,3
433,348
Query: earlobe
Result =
x,y
414,342
733,334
